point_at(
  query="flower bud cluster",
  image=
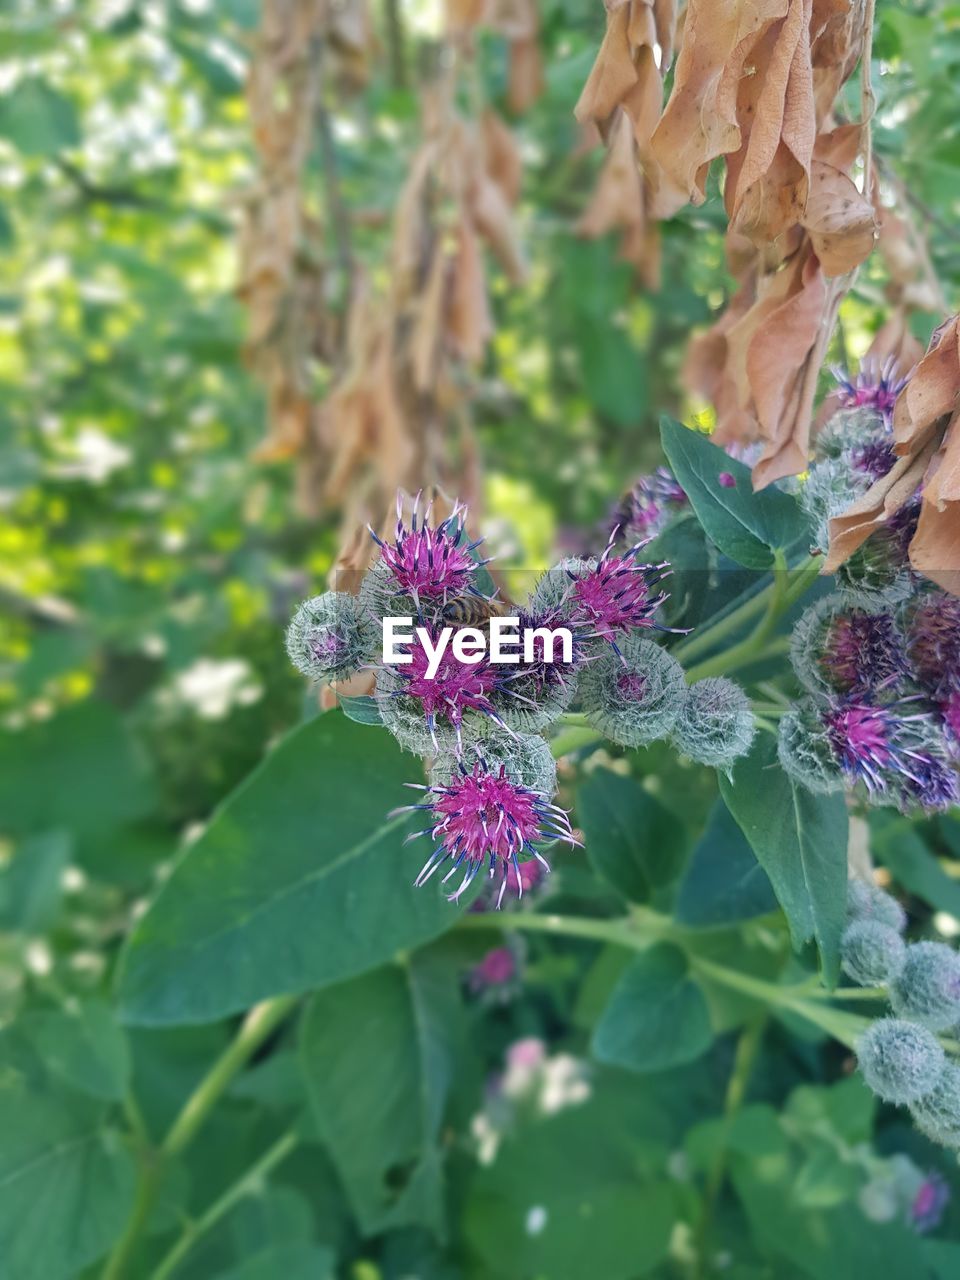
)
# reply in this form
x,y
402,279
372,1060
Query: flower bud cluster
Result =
x,y
901,1058
493,778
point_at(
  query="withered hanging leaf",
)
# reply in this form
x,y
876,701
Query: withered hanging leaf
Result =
x,y
935,549
501,156
613,74
469,323
932,391
841,223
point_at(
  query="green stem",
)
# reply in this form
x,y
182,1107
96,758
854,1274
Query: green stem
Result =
x,y
244,1185
257,1026
739,655
748,1046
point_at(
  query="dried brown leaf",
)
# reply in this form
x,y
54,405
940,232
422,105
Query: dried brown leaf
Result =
x,y
841,223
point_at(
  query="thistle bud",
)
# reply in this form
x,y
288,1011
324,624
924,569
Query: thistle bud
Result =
x,y
838,647
804,749
715,725
871,953
636,697
327,638
927,988
866,901
526,759
937,1113
900,1061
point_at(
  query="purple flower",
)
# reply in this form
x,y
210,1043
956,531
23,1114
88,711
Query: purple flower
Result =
x,y
874,458
928,1205
454,689
876,386
934,642
644,511
862,651
890,749
727,480
498,968
617,594
430,563
949,708
483,816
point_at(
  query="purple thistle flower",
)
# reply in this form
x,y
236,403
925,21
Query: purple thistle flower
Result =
x,y
617,594
727,480
498,968
632,685
454,689
651,501
430,563
934,642
874,458
949,709
885,748
862,651
876,386
928,1205
483,816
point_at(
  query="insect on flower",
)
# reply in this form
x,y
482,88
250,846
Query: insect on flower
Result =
x,y
483,817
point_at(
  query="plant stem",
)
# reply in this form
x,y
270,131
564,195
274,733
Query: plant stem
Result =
x,y
244,1185
746,1053
257,1026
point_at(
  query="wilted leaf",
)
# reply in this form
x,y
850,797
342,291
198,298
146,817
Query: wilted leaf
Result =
x,y
840,221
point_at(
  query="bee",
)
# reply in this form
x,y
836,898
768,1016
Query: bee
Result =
x,y
473,611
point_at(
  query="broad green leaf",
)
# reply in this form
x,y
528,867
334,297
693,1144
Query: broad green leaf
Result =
x,y
84,1046
37,119
66,1186
724,883
378,1112
657,1016
31,886
800,840
631,839
80,770
746,526
299,881
571,1197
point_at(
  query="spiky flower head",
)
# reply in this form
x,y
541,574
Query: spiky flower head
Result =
x,y
933,633
618,594
533,694
449,705
900,1061
716,724
875,386
634,696
525,757
927,988
482,818
430,562
839,647
805,750
649,505
936,1113
851,428
871,953
867,901
327,638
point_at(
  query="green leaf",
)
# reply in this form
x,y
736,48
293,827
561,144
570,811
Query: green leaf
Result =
x,y
84,1046
31,884
362,710
37,119
746,526
657,1016
66,1186
299,881
631,839
800,840
80,770
292,1261
724,883
378,1111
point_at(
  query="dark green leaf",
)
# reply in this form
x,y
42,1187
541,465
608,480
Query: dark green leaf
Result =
x,y
83,1046
900,847
631,839
746,526
657,1016
724,882
292,1261
378,1111
299,881
362,710
31,884
800,840
66,1186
